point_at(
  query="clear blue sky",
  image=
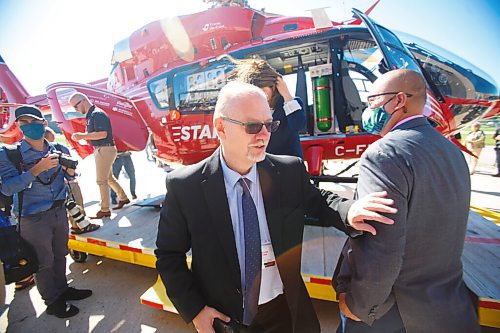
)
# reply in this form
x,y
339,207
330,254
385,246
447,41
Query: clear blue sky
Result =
x,y
46,41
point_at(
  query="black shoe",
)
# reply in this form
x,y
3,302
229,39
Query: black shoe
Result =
x,y
134,196
61,309
73,294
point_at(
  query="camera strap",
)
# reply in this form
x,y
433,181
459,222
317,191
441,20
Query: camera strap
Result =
x,y
52,177
70,190
52,147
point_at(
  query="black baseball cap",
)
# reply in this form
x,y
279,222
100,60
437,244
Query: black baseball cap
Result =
x,y
29,111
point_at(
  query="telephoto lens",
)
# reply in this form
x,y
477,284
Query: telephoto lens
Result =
x,y
74,211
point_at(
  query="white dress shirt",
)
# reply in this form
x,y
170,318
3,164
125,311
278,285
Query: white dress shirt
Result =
x,y
271,285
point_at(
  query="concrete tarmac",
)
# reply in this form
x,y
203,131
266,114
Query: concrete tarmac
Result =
x,y
117,286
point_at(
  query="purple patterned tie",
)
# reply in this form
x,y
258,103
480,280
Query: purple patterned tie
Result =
x,y
253,256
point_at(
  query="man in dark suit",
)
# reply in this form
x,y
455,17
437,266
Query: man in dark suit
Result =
x,y
409,277
241,213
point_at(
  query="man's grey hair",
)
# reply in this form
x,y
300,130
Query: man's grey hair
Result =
x,y
233,92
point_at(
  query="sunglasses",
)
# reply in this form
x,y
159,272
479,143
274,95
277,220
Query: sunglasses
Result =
x,y
76,105
372,98
254,127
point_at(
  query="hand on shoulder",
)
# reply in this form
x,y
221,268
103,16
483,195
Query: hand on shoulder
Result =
x,y
369,208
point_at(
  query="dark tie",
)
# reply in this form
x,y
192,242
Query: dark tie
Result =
x,y
253,256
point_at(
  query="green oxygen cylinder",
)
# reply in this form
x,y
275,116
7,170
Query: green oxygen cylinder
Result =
x,y
322,103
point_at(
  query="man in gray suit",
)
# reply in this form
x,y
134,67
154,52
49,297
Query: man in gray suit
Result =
x,y
409,277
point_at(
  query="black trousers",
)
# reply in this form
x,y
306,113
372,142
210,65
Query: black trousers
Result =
x,y
272,317
391,322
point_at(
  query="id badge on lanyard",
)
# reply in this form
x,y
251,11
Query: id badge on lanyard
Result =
x,y
268,259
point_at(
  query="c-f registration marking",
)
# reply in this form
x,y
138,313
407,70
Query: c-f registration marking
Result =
x,y
358,150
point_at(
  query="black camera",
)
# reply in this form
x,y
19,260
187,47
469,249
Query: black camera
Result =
x,y
66,160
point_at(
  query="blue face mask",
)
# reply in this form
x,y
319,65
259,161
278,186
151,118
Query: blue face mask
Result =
x,y
33,131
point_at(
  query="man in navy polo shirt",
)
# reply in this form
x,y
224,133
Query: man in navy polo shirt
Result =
x,y
100,135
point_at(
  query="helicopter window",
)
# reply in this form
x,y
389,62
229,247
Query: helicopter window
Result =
x,y
159,89
121,51
464,114
291,82
198,90
361,59
452,75
399,54
363,85
115,79
445,75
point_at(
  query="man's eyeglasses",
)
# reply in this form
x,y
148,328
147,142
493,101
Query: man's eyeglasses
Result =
x,y
254,127
76,105
373,98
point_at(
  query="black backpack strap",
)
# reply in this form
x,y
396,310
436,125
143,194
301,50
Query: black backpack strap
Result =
x,y
16,158
56,145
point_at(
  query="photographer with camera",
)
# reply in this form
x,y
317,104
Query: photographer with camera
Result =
x,y
43,216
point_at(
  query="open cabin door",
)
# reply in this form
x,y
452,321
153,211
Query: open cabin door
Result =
x,y
129,130
397,56
395,53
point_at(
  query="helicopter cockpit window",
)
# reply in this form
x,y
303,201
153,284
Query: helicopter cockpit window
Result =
x,y
452,75
160,90
450,78
361,59
121,51
197,90
399,54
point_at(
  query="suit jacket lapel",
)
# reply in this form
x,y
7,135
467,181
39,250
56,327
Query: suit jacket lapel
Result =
x,y
215,195
269,178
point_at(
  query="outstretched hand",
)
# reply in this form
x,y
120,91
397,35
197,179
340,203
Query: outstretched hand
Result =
x,y
204,321
368,208
77,136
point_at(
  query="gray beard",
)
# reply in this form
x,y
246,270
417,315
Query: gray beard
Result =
x,y
256,157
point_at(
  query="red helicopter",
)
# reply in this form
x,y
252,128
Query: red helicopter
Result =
x,y
166,77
